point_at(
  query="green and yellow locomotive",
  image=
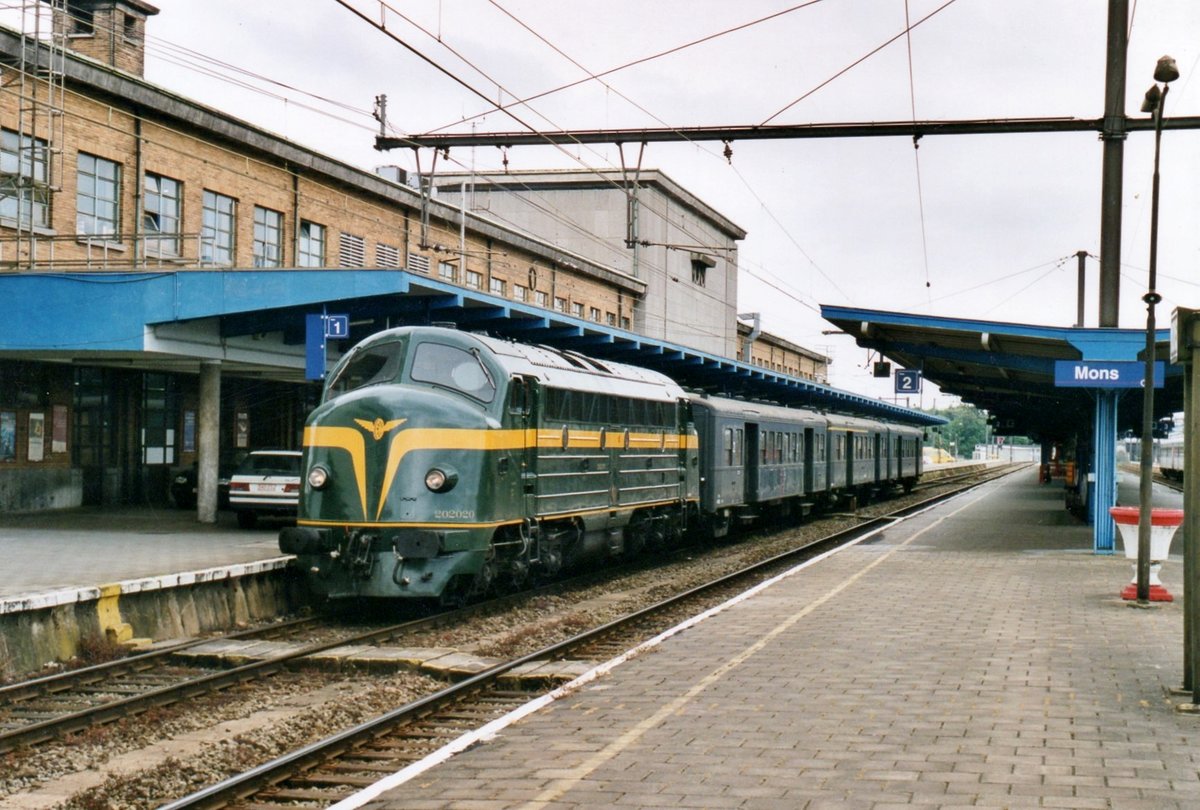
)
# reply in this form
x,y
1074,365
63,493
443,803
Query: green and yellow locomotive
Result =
x,y
442,464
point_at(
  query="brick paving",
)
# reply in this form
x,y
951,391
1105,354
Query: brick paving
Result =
x,y
975,656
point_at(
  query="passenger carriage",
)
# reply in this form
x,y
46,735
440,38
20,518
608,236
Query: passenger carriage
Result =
x,y
757,459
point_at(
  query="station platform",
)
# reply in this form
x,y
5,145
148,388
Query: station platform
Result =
x,y
81,549
78,577
975,655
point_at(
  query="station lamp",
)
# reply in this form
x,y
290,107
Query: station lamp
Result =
x,y
1166,71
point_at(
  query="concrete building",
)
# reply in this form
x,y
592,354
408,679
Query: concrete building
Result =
x,y
652,228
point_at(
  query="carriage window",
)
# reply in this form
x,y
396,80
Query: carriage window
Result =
x,y
453,368
737,446
381,363
728,447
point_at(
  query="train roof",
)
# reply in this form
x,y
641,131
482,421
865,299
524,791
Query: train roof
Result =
x,y
759,410
558,368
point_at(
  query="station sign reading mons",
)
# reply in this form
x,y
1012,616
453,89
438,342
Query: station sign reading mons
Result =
x,y
1105,373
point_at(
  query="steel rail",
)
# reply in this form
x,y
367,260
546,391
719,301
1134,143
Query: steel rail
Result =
x,y
14,693
113,710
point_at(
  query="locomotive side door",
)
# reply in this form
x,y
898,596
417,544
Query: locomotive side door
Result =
x,y
522,409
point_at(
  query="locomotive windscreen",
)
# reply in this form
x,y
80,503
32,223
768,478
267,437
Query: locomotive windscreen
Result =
x,y
381,363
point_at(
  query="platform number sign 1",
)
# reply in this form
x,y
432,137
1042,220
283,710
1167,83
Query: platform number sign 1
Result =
x,y
908,381
318,328
337,326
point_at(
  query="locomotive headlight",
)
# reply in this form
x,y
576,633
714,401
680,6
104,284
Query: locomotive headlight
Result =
x,y
318,477
439,480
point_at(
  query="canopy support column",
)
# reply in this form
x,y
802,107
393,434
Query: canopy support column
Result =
x,y
1104,493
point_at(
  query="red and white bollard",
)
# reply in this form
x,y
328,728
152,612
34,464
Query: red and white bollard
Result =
x,y
1163,523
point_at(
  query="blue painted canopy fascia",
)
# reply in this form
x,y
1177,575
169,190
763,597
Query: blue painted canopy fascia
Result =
x,y
110,311
1093,344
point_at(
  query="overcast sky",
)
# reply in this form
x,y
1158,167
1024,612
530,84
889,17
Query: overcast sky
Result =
x,y
828,221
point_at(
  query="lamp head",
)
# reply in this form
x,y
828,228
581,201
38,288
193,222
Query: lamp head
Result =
x,y
1166,70
1151,101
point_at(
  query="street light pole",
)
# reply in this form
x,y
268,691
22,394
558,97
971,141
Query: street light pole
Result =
x,y
1166,72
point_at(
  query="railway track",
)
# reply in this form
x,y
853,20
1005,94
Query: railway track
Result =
x,y
52,707
330,770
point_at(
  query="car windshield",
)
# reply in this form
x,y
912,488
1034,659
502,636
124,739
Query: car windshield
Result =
x,y
381,363
270,464
453,368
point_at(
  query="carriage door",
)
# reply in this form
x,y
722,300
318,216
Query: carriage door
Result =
x,y
752,457
810,470
880,453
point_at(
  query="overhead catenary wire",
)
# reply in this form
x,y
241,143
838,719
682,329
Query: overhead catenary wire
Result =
x,y
912,95
856,63
598,76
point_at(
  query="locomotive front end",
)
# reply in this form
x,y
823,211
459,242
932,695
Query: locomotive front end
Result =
x,y
401,495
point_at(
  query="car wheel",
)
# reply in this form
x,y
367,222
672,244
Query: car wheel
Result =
x,y
247,519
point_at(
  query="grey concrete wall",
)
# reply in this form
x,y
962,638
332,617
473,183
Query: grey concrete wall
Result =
x,y
38,639
33,489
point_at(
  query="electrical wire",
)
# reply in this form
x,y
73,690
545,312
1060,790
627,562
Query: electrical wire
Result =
x,y
912,95
633,63
856,62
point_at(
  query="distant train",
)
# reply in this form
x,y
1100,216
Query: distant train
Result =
x,y
443,465
1169,455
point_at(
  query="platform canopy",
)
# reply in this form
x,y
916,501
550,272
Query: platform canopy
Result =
x,y
254,323
1009,368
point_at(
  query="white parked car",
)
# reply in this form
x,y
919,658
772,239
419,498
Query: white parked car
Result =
x,y
266,483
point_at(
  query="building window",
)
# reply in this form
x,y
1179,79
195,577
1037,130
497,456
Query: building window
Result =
x,y
474,280
311,252
625,323
217,229
387,256
577,309
268,237
158,419
610,318
594,314
447,272
497,286
560,304
162,212
541,298
700,264
97,197
520,293
24,185
352,251
83,22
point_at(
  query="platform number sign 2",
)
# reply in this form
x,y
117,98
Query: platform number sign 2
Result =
x,y
908,381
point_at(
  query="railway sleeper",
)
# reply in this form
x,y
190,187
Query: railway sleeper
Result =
x,y
319,778
303,795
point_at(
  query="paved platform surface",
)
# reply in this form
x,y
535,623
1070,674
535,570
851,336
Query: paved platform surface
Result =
x,y
977,655
83,548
